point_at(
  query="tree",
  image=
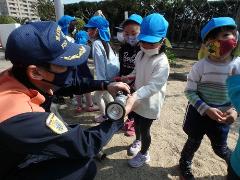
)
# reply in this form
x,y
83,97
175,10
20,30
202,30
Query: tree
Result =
x,y
185,17
6,20
80,24
44,9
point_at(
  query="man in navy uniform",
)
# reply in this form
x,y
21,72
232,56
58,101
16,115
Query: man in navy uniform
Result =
x,y
35,144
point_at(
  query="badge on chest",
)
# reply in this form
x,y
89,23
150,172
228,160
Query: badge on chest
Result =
x,y
55,124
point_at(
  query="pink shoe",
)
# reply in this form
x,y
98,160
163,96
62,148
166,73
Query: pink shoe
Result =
x,y
92,108
130,132
100,118
128,127
79,109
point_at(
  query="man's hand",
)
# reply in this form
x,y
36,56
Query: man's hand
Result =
x,y
216,115
114,87
231,115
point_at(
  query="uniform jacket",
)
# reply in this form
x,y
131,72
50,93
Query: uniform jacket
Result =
x,y
30,135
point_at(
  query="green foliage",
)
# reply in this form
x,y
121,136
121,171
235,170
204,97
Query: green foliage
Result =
x,y
21,20
185,17
171,57
80,24
44,9
6,20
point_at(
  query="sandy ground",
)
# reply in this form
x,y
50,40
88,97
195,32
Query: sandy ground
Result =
x,y
167,142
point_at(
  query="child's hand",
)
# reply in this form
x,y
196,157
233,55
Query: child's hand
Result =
x,y
130,103
231,115
124,79
118,78
216,115
127,79
232,72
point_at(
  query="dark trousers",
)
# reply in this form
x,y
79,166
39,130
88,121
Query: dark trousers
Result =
x,y
142,130
196,126
57,169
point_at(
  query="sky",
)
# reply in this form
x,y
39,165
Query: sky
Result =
x,y
76,1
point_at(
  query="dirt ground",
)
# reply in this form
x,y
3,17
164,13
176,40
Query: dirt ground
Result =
x,y
167,142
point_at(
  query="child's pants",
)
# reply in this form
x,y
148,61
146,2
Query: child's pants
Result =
x,y
100,96
196,126
142,130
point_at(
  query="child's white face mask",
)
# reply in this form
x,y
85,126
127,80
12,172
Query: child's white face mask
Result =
x,y
132,40
150,52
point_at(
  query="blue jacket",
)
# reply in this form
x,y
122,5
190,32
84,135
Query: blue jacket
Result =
x,y
106,69
233,83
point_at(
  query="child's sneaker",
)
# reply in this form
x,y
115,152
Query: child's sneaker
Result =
x,y
100,118
185,170
139,160
135,147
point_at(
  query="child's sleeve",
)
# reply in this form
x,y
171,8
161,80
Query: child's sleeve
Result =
x,y
191,88
157,81
99,61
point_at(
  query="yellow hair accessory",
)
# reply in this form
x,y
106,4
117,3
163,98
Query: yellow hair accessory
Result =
x,y
167,43
203,52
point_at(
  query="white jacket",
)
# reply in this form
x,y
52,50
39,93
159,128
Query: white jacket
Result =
x,y
151,79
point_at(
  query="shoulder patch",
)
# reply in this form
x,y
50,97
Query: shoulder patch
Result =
x,y
55,124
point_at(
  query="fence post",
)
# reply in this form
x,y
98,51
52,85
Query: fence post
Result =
x,y
59,9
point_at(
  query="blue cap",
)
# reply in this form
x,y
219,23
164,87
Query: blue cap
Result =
x,y
43,42
153,28
215,23
81,37
134,17
64,22
102,25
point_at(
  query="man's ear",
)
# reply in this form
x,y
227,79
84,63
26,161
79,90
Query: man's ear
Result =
x,y
34,72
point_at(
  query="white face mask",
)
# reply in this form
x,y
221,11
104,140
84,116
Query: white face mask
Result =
x,y
132,40
74,31
120,37
150,52
91,39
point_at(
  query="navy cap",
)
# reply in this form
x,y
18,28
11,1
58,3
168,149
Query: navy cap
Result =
x,y
81,37
64,22
102,25
43,42
135,18
215,23
153,28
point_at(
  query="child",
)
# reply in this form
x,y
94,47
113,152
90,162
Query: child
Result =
x,y
233,83
105,60
68,26
127,54
83,70
210,111
128,50
151,74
